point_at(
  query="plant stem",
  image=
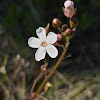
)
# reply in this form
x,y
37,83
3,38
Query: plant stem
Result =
x,y
44,60
53,70
36,80
40,96
6,58
62,46
59,29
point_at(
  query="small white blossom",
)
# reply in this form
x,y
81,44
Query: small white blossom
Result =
x,y
44,44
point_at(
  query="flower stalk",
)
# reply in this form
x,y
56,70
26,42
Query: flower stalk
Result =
x,y
52,71
3,66
47,41
36,80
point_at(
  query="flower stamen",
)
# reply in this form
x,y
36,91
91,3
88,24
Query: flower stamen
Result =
x,y
44,44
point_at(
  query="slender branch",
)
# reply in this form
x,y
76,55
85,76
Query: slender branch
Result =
x,y
69,55
46,66
3,66
44,60
36,80
62,46
59,29
53,70
40,96
6,58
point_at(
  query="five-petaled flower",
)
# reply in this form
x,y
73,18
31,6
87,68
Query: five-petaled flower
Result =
x,y
44,44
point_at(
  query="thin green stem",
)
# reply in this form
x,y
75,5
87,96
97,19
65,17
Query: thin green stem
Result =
x,y
5,59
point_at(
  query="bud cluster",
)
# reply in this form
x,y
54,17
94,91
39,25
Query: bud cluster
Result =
x,y
66,32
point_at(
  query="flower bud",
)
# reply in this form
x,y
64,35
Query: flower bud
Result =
x,y
67,32
73,22
73,30
64,27
47,86
69,10
60,39
44,67
56,23
47,28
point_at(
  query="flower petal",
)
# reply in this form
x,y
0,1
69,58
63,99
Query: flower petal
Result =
x,y
40,53
51,38
68,3
41,33
52,51
34,42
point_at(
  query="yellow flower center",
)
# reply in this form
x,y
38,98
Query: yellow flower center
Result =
x,y
44,44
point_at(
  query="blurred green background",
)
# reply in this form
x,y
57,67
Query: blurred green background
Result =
x,y
78,77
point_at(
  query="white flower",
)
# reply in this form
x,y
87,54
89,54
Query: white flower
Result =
x,y
44,44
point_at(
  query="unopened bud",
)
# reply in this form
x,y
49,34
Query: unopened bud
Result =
x,y
67,32
47,86
60,39
73,30
56,23
64,27
47,28
73,22
69,8
44,67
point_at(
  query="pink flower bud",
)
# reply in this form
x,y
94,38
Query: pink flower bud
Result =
x,y
64,27
69,10
60,39
56,23
67,32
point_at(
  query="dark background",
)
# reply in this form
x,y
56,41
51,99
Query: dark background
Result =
x,y
19,20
